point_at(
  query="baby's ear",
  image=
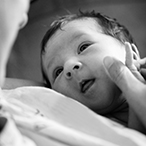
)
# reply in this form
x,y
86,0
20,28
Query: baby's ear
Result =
x,y
135,52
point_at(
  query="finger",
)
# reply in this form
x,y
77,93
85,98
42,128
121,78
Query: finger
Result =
x,y
142,62
129,57
135,50
135,56
143,73
122,77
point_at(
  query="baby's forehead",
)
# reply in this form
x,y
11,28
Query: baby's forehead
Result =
x,y
73,28
84,25
77,25
83,21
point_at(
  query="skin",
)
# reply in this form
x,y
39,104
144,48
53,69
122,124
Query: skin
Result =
x,y
15,10
76,53
133,87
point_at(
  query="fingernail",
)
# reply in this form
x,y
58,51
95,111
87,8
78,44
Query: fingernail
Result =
x,y
108,61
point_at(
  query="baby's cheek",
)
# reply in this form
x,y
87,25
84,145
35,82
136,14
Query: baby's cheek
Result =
x,y
60,86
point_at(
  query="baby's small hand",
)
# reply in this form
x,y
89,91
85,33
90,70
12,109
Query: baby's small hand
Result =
x,y
133,61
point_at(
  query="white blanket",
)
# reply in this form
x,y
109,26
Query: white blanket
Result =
x,y
43,117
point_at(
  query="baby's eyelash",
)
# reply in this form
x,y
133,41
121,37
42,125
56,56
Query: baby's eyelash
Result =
x,y
83,46
57,72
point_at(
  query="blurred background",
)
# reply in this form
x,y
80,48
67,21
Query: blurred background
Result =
x,y
24,61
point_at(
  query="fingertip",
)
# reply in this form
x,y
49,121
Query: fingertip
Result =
x,y
127,44
135,49
129,55
108,61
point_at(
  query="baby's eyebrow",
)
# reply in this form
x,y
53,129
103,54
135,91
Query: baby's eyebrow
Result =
x,y
76,36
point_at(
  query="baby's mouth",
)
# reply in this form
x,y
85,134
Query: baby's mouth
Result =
x,y
86,84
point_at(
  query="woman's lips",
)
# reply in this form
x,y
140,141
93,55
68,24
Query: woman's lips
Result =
x,y
86,84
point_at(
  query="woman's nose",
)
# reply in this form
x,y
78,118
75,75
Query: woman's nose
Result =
x,y
71,68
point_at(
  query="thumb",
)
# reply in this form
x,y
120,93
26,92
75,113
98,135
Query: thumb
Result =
x,y
122,77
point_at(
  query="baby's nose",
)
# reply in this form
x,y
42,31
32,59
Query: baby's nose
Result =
x,y
72,68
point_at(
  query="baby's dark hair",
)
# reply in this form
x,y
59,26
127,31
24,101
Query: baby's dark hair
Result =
x,y
109,26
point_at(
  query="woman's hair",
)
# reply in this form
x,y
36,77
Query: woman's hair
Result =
x,y
109,26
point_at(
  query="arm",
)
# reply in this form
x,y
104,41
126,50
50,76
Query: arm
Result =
x,y
13,16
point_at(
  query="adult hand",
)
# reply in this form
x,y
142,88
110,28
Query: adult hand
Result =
x,y
133,89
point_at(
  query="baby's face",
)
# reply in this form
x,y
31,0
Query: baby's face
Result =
x,y
74,64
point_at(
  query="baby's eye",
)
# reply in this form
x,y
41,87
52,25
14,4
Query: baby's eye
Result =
x,y
82,47
57,72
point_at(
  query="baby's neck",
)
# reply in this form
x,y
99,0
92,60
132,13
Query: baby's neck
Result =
x,y
120,114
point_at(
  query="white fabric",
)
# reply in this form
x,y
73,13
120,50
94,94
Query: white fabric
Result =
x,y
49,118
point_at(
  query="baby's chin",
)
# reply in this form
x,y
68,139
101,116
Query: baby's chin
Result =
x,y
106,103
103,110
99,107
